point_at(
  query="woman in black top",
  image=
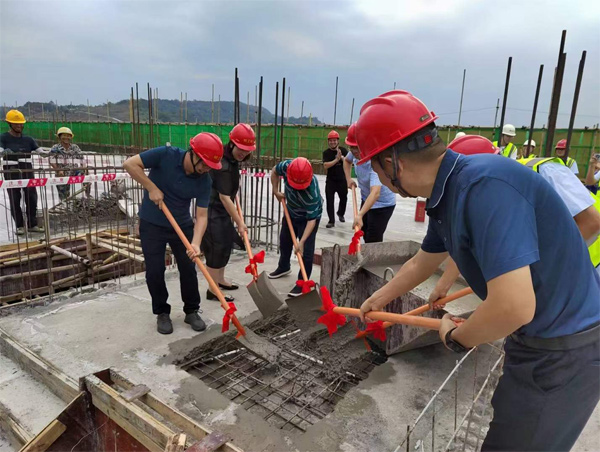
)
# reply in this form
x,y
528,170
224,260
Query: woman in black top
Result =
x,y
220,233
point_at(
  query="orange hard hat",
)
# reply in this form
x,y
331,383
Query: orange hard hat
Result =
x,y
473,144
333,135
562,144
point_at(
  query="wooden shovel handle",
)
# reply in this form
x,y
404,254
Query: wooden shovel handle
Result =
x,y
211,283
246,241
420,310
294,240
402,319
355,207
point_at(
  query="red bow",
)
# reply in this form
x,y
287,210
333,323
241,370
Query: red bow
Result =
x,y
258,258
227,317
377,330
306,285
355,243
330,319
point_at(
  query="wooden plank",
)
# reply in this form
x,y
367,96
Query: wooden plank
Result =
x,y
59,383
139,424
176,443
116,249
18,434
209,443
127,238
172,415
46,437
135,393
125,245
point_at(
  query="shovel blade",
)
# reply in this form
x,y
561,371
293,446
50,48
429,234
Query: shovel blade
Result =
x,y
265,296
259,346
306,310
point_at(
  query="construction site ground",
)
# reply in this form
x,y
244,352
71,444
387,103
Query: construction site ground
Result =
x,y
114,327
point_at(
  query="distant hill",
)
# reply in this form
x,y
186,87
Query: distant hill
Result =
x,y
168,111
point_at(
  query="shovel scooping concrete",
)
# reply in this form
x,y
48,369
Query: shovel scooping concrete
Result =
x,y
265,296
310,298
256,345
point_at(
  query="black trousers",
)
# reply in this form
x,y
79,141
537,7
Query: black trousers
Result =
x,y
544,398
218,238
154,243
29,193
286,245
331,188
375,223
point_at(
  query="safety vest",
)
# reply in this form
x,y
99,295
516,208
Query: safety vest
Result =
x,y
508,149
570,162
534,164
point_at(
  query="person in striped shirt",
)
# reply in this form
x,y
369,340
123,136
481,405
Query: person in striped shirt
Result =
x,y
305,206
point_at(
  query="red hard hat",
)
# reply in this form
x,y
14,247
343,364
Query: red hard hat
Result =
x,y
209,148
333,135
243,137
387,119
562,144
473,144
299,173
351,137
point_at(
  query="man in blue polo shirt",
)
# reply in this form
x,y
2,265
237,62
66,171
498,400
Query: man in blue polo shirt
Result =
x,y
515,243
176,177
305,206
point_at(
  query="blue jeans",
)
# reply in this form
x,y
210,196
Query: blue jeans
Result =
x,y
154,244
286,246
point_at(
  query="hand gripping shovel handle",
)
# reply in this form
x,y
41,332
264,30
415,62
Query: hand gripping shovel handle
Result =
x,y
291,228
246,241
420,310
211,283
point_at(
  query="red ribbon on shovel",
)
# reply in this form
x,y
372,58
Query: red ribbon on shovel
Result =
x,y
258,258
330,319
377,329
227,317
306,285
355,243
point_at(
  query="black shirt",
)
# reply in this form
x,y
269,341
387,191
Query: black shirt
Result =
x,y
336,172
21,146
225,181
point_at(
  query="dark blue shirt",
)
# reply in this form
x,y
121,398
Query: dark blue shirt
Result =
x,y
166,171
494,215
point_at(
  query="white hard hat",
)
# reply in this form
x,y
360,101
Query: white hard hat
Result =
x,y
509,130
529,143
459,134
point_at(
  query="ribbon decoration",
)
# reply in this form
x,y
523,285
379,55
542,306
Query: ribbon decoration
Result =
x,y
377,329
355,243
227,317
306,285
258,258
330,319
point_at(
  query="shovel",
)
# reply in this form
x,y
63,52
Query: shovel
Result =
x,y
256,345
303,307
264,295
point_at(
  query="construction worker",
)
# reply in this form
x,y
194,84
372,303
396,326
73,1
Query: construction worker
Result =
x,y
219,237
507,147
68,160
528,149
561,152
335,182
305,206
592,179
17,149
377,202
541,289
176,177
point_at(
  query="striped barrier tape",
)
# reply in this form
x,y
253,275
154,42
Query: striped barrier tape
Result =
x,y
67,180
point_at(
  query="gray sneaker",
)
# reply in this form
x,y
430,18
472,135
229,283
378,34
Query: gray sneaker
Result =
x,y
37,229
164,324
20,231
195,321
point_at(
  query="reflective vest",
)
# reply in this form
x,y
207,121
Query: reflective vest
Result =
x,y
570,162
508,150
534,164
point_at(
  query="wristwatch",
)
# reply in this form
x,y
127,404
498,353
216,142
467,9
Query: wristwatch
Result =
x,y
452,344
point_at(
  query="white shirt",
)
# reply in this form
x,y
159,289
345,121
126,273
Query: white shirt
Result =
x,y
597,176
574,168
573,193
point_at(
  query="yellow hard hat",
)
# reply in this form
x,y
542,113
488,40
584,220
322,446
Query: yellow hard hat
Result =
x,y
64,130
15,117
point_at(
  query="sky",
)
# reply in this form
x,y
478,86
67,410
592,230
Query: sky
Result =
x,y
72,51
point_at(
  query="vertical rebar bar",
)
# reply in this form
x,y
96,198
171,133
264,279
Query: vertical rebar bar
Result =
x,y
219,111
555,99
496,115
302,110
212,105
281,132
433,422
462,92
575,100
535,103
137,104
235,97
275,121
352,111
260,209
504,101
259,121
335,103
